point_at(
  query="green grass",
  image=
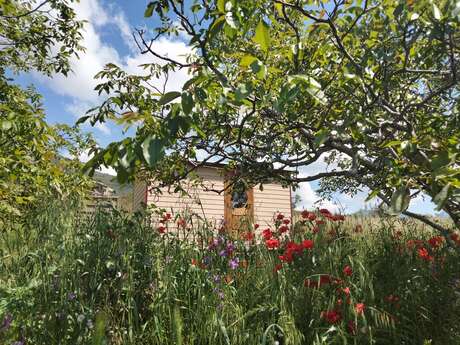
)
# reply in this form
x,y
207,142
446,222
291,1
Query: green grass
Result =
x,y
113,279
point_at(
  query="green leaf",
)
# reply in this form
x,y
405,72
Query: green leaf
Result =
x,y
168,97
247,60
436,12
82,119
320,137
441,197
152,150
149,10
399,201
440,160
221,5
312,86
262,36
187,102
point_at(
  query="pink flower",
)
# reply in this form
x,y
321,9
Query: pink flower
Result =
x,y
359,308
348,271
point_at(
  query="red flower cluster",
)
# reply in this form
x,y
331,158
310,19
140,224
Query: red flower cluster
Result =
x,y
332,316
267,234
359,308
456,238
166,217
424,254
308,215
348,271
436,241
272,243
295,248
248,236
161,229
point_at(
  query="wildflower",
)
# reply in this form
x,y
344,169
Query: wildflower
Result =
x,y
287,257
414,243
161,229
6,323
181,223
256,226
248,236
272,243
359,308
279,216
307,244
71,296
320,222
267,234
223,252
234,263
308,215
346,291
351,327
324,211
286,221
436,241
283,228
423,254
348,271
332,316
455,237
315,229
339,217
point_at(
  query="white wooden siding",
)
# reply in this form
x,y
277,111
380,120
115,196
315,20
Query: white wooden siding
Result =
x,y
268,202
139,191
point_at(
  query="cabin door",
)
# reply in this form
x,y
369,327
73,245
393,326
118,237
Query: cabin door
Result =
x,y
239,208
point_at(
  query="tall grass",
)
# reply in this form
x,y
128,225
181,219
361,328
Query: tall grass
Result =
x,y
114,278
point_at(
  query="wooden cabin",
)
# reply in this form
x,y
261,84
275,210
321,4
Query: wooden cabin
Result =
x,y
236,206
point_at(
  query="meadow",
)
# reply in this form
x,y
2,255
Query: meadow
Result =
x,y
115,278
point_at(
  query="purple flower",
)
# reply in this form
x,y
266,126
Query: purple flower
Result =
x,y
223,253
6,323
71,296
19,342
216,279
230,247
221,295
234,263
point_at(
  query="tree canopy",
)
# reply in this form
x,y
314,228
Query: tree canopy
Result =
x,y
372,85
35,37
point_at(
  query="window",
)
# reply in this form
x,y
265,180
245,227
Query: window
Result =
x,y
239,195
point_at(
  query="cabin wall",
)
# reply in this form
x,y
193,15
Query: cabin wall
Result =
x,y
201,204
269,201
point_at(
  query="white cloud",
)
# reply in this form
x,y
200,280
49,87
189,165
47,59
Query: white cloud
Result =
x,y
78,109
85,157
309,199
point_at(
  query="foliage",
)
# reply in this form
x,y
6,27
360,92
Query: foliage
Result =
x,y
370,85
119,279
38,37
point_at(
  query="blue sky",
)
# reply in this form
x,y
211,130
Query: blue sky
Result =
x,y
107,38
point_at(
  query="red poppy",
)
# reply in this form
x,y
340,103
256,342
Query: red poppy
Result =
x,y
256,226
332,316
283,228
307,244
320,222
161,229
286,257
339,217
324,211
351,327
272,243
359,308
248,236
286,221
423,254
348,271
267,234
346,291
308,215
279,216
436,241
181,223
294,247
